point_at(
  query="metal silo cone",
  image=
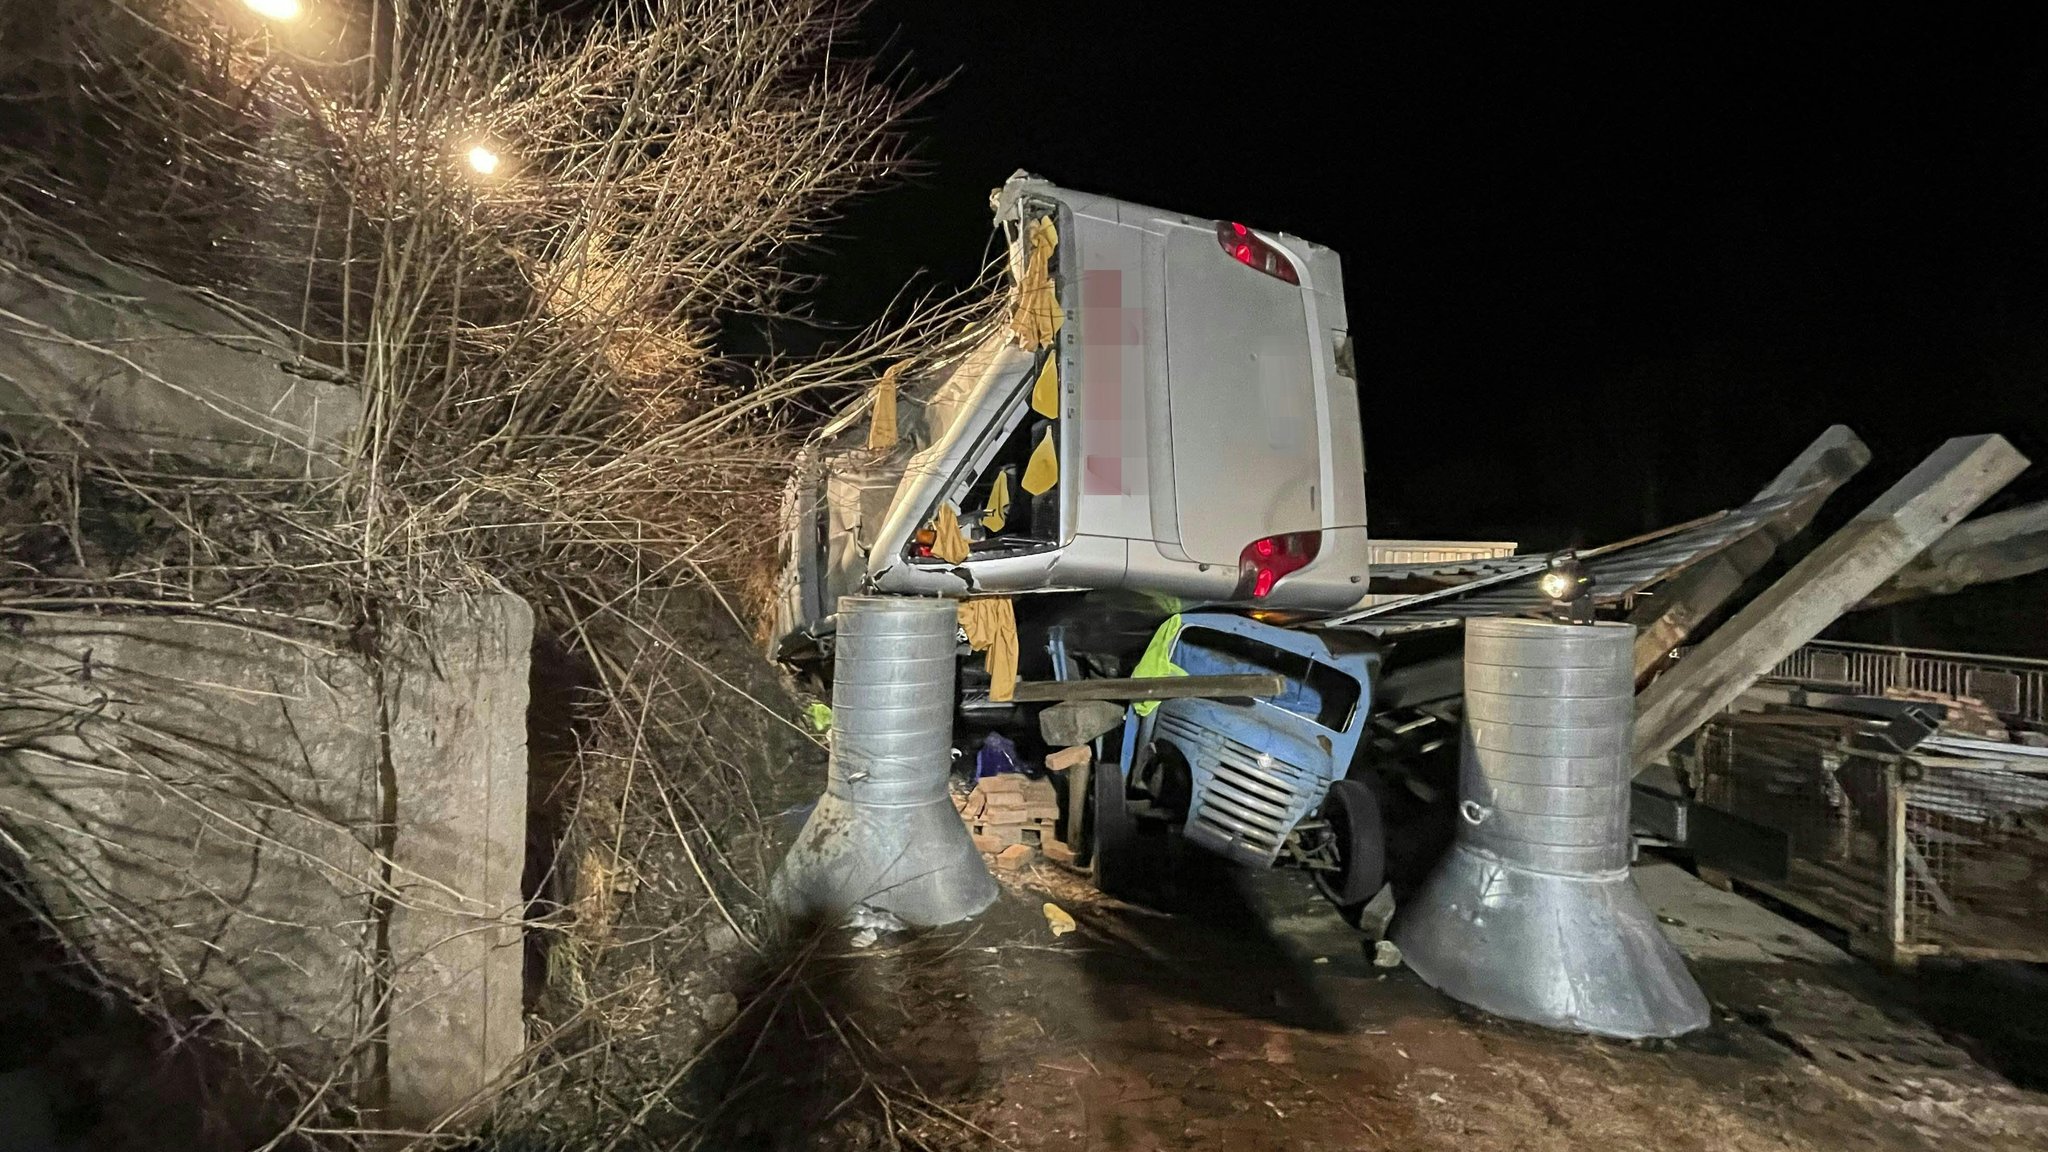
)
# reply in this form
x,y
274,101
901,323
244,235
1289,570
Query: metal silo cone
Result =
x,y
1532,914
885,834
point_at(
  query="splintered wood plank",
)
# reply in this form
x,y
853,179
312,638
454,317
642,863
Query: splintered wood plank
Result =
x,y
1914,513
1668,617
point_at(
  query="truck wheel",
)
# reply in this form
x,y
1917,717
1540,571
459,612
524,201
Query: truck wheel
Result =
x,y
1353,810
1114,864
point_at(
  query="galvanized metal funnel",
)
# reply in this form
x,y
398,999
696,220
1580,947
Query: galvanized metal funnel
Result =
x,y
1532,915
885,834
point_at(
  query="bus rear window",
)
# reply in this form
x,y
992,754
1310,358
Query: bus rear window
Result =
x,y
1315,690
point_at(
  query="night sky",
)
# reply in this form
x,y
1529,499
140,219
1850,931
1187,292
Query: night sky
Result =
x,y
1606,271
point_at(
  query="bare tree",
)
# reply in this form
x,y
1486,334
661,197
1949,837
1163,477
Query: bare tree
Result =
x,y
516,234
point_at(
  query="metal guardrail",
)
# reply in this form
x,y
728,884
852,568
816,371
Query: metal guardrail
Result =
x,y
2014,687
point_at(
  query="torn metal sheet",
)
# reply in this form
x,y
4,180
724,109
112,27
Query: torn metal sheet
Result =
x,y
1507,587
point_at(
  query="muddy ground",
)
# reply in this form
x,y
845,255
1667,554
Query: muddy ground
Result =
x,y
1252,1018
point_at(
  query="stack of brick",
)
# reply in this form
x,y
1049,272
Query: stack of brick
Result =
x,y
1012,817
1967,715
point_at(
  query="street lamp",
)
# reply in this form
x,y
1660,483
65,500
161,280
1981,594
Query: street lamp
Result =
x,y
282,11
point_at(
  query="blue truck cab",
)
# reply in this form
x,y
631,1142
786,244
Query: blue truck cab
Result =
x,y
1258,781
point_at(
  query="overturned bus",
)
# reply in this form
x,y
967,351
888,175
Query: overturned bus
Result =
x,y
1184,427
1166,421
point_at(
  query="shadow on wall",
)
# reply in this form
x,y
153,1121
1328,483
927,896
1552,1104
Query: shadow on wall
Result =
x,y
561,686
82,1068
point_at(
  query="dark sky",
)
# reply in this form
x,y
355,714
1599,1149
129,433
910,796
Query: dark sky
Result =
x,y
1606,269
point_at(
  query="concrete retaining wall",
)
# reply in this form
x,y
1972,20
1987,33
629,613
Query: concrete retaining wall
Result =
x,y
326,847
99,355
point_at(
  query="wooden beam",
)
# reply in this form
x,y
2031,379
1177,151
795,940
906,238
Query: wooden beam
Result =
x,y
1913,514
2002,546
1152,688
1665,619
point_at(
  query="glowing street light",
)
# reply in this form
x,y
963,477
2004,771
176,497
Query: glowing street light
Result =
x,y
482,160
282,11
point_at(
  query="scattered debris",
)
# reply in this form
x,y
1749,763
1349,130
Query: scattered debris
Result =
x,y
998,756
1963,715
721,938
869,923
1377,913
1385,954
820,716
1058,920
718,1010
1074,722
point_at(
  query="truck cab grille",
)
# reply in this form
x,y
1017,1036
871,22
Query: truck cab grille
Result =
x,y
1245,801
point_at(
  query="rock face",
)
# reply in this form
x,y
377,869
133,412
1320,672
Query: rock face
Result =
x,y
97,354
324,846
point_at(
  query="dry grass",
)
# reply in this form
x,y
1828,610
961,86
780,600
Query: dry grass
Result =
x,y
546,409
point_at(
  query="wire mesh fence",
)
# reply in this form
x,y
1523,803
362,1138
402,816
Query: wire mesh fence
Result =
x,y
1910,854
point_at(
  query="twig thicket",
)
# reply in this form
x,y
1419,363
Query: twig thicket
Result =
x,y
546,406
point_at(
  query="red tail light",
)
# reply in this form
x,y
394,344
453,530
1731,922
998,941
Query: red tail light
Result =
x,y
1264,561
1247,249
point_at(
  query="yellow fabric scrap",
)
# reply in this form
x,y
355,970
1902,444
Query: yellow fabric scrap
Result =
x,y
1158,661
1038,315
948,543
991,626
997,513
1043,469
882,425
1045,394
1058,919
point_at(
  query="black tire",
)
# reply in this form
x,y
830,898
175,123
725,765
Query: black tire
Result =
x,y
1353,810
1114,861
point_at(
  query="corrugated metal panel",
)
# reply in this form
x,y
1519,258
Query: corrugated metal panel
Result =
x,y
1507,587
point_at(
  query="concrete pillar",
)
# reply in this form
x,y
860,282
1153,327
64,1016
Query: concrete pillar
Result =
x,y
456,698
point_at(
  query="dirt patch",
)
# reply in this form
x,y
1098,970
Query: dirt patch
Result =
x,y
1251,1018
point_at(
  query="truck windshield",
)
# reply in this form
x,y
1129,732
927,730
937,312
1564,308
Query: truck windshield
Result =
x,y
1315,690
